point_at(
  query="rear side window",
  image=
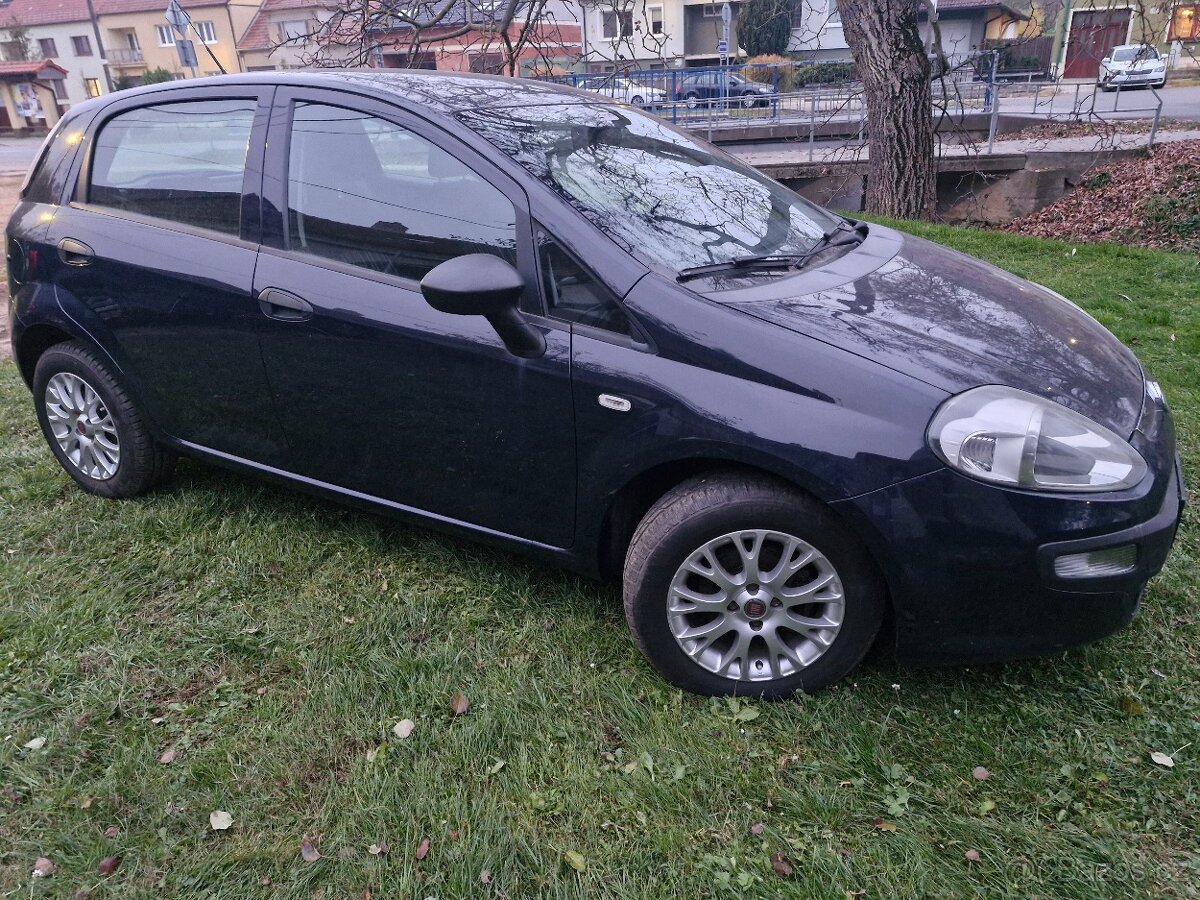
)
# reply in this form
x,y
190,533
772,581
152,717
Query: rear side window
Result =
x,y
37,183
182,162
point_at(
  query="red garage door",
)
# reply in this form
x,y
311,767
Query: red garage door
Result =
x,y
1092,35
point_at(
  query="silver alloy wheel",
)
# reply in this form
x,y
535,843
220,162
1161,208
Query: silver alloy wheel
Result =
x,y
82,426
755,605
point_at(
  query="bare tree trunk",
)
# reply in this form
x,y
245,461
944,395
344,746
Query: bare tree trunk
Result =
x,y
896,76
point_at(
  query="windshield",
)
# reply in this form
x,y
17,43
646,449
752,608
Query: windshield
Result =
x,y
1129,54
666,198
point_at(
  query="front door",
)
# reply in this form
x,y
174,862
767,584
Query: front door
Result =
x,y
379,393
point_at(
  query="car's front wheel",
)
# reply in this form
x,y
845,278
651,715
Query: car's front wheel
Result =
x,y
737,584
92,426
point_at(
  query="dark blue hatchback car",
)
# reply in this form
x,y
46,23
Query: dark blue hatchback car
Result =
x,y
536,316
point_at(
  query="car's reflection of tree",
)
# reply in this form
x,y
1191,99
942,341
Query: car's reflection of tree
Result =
x,y
657,193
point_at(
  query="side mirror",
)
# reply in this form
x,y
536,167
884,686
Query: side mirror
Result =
x,y
480,284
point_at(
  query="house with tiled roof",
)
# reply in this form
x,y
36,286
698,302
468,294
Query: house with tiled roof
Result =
x,y
288,34
57,30
139,39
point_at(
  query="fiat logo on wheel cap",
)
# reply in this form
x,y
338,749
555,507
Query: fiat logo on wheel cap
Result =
x,y
755,609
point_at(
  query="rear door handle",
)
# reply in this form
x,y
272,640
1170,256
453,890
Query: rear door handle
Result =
x,y
283,306
75,253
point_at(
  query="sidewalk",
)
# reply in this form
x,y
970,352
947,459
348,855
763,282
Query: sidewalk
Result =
x,y
797,152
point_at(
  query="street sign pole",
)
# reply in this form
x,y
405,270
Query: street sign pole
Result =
x,y
723,47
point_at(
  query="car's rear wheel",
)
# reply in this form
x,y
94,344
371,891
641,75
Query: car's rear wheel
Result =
x,y
637,100
692,99
749,101
92,426
737,584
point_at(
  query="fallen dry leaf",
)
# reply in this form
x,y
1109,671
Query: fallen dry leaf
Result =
x,y
36,744
979,773
453,835
108,865
380,849
169,757
219,820
883,825
576,861
265,881
1131,707
86,802
308,852
485,876
403,728
43,868
423,849
780,864
757,828
111,831
459,704
1162,759
972,856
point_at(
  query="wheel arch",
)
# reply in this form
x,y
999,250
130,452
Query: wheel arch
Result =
x,y
34,341
630,503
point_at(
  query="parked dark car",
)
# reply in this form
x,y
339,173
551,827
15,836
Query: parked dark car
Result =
x,y
709,86
524,313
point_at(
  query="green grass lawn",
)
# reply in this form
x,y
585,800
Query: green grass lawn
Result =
x,y
272,641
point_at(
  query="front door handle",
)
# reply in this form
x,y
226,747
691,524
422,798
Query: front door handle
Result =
x,y
75,253
283,306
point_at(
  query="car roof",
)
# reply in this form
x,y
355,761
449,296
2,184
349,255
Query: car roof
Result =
x,y
447,92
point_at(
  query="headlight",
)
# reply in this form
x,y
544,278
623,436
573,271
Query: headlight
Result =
x,y
1005,436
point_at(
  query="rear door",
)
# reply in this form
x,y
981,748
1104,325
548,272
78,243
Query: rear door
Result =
x,y
379,393
156,252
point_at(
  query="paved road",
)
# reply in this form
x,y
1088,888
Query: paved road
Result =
x,y
1177,102
17,154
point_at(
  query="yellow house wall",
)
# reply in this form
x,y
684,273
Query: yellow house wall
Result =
x,y
168,57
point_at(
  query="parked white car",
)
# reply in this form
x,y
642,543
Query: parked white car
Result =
x,y
624,89
1130,65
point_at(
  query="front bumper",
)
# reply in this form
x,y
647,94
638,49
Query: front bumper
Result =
x,y
971,566
1125,79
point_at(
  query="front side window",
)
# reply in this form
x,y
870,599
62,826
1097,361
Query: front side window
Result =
x,y
181,162
662,196
368,193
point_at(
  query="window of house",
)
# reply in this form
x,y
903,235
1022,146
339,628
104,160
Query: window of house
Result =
x,y
833,18
92,86
182,162
572,294
295,31
616,23
656,19
711,11
131,39
60,89
487,63
368,193
207,31
48,48
82,45
13,50
166,35
1185,24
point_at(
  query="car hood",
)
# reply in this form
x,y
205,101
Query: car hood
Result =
x,y
955,322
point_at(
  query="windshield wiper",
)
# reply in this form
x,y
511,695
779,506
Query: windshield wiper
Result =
x,y
841,234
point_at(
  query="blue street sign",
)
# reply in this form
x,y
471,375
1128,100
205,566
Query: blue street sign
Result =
x,y
187,53
722,47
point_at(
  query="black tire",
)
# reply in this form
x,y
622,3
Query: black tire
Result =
x,y
142,463
692,99
708,507
638,100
